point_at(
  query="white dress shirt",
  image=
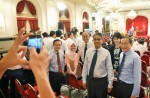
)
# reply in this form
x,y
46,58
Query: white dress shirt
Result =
x,y
141,48
82,46
103,65
53,66
79,40
48,43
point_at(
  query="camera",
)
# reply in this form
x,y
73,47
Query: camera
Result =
x,y
35,41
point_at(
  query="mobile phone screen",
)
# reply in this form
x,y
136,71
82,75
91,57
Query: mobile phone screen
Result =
x,y
35,42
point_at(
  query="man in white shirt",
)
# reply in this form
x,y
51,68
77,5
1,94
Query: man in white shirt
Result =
x,y
141,47
85,45
70,38
48,41
97,69
56,67
79,39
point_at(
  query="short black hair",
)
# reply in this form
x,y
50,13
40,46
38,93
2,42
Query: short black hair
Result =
x,y
117,35
52,33
141,41
129,38
81,33
65,34
96,31
45,34
99,34
69,34
58,33
56,41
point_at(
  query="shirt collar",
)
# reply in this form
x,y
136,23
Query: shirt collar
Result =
x,y
99,49
128,52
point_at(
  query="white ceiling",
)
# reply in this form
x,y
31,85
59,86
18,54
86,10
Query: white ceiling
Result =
x,y
127,5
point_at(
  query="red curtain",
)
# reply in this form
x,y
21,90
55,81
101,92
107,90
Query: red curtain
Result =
x,y
33,24
31,8
66,23
140,25
21,5
84,25
60,13
85,15
65,12
21,24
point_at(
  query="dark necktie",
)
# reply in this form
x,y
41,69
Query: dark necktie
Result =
x,y
85,48
93,65
121,65
59,63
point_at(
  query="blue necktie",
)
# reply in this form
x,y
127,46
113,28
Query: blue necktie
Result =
x,y
93,65
121,65
85,48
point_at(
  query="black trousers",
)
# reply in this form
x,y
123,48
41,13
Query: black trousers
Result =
x,y
55,79
12,75
124,90
28,77
97,87
4,82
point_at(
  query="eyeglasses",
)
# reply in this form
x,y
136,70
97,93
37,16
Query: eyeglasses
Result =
x,y
97,39
85,36
125,43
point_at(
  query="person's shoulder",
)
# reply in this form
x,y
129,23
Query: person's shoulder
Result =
x,y
134,54
91,49
51,51
61,52
104,50
81,43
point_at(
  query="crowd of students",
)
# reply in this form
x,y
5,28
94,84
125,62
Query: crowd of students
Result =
x,y
61,56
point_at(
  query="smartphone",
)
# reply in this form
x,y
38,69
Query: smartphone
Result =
x,y
35,41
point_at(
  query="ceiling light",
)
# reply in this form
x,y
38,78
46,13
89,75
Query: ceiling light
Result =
x,y
61,6
132,14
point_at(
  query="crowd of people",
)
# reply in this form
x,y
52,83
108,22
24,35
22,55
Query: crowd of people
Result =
x,y
103,62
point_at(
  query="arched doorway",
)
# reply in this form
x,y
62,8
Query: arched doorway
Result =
x,y
26,14
139,25
64,20
85,19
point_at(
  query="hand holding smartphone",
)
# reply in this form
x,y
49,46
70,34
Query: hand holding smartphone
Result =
x,y
35,41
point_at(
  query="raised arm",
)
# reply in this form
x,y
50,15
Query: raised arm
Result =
x,y
39,64
12,59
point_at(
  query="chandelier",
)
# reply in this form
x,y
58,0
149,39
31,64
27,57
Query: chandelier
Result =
x,y
132,14
94,3
105,5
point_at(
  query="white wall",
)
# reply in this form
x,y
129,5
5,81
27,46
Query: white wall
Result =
x,y
75,12
48,16
8,9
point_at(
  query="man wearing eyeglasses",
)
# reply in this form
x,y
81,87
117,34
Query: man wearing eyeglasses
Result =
x,y
97,69
129,72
